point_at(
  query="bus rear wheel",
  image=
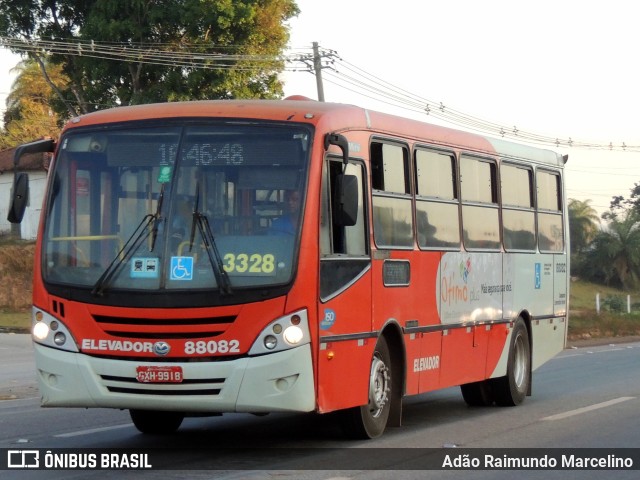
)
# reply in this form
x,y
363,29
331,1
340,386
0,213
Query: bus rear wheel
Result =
x,y
511,389
370,421
156,422
477,394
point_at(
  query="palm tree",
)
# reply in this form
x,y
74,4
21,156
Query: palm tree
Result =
x,y
29,115
583,228
583,224
615,252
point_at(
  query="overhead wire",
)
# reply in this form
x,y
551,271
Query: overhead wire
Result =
x,y
184,55
389,93
337,71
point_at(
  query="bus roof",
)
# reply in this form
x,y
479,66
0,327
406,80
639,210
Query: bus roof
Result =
x,y
333,117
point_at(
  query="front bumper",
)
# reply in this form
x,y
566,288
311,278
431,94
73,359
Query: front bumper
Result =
x,y
281,381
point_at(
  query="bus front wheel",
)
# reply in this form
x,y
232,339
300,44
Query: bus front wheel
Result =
x,y
156,422
369,421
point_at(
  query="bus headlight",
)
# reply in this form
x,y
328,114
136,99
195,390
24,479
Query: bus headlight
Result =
x,y
282,334
293,335
41,331
48,330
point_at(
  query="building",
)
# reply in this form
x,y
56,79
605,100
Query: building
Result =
x,y
36,166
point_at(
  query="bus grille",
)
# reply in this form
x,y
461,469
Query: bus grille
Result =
x,y
164,327
128,385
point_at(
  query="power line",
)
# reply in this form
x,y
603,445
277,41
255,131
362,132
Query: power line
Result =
x,y
183,55
338,72
353,78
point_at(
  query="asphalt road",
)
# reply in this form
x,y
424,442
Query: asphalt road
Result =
x,y
584,398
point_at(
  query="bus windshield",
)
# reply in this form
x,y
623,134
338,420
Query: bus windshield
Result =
x,y
177,206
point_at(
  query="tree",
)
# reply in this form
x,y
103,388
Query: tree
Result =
x,y
620,204
28,115
239,30
583,224
615,253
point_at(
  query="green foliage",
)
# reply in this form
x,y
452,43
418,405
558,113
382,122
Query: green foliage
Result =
x,y
614,303
583,224
28,115
583,227
182,28
614,254
620,204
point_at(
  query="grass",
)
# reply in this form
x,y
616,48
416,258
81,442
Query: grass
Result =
x,y
612,321
16,267
18,322
583,295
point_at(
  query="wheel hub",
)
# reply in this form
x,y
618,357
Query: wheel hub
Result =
x,y
378,386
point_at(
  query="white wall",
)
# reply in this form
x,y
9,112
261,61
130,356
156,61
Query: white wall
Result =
x,y
29,226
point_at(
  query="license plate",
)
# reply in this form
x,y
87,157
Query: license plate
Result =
x,y
156,374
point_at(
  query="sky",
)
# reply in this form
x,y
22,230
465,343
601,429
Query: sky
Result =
x,y
558,68
562,69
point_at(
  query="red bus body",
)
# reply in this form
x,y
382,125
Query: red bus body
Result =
x,y
447,315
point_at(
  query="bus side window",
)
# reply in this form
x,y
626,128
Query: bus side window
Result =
x,y
392,211
480,220
518,220
550,225
437,219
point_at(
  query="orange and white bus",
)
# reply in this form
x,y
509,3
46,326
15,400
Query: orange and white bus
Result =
x,y
261,256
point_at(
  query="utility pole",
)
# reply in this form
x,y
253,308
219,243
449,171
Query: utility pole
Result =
x,y
317,67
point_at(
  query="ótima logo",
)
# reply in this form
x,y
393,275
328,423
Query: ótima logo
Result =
x,y
465,269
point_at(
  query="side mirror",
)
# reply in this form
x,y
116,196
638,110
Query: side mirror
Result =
x,y
345,200
341,142
19,197
39,146
20,190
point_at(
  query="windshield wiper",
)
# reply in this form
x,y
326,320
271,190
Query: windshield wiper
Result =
x,y
156,219
139,235
201,221
137,238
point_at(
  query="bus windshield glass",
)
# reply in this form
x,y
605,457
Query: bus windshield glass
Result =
x,y
178,206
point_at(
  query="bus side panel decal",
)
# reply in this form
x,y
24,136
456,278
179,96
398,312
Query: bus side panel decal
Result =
x,y
470,287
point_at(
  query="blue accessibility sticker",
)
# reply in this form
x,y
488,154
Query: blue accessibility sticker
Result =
x,y
181,268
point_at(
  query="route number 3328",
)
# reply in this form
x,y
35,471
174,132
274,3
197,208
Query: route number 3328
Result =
x,y
250,264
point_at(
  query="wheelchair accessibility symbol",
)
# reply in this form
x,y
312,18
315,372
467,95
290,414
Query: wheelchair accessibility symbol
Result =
x,y
181,268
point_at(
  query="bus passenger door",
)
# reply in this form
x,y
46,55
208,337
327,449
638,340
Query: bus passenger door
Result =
x,y
344,311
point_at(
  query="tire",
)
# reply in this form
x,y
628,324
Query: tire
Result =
x,y
477,394
370,421
511,389
156,422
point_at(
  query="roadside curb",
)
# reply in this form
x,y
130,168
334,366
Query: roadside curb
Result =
x,y
593,342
